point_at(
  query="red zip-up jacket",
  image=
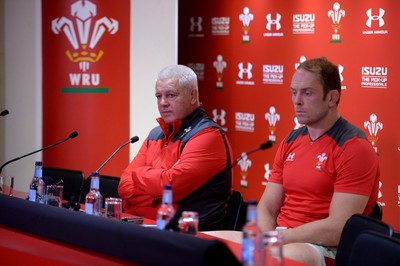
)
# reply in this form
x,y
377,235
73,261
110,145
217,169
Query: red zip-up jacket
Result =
x,y
195,158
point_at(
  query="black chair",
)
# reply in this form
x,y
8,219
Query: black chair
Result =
x,y
374,249
108,188
72,179
235,212
376,212
354,226
396,235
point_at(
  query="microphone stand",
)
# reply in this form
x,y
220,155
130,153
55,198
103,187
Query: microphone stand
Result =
x,y
71,136
265,145
74,202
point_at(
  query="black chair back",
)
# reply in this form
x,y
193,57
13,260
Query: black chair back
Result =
x,y
377,212
72,179
354,226
109,186
374,249
233,208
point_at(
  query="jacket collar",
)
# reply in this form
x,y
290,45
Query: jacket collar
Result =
x,y
178,125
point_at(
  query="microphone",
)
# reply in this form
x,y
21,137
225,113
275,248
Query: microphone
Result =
x,y
73,201
70,136
4,113
266,145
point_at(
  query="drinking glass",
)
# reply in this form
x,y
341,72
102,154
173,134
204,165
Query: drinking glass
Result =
x,y
189,222
273,247
113,208
54,195
6,185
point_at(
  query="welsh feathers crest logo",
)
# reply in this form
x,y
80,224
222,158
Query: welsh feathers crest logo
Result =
x,y
336,14
83,32
373,126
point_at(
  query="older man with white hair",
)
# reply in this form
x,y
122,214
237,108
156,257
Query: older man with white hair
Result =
x,y
188,150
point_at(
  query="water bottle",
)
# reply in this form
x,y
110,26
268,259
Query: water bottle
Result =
x,y
166,210
37,185
94,199
252,246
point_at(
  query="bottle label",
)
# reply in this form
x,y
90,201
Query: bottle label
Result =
x,y
89,208
167,197
32,195
248,251
161,224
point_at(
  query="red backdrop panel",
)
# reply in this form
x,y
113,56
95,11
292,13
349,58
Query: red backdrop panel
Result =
x,y
245,53
86,83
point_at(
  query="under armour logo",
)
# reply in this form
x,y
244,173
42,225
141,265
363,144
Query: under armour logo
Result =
x,y
267,171
290,157
186,130
271,21
375,17
243,70
220,117
197,24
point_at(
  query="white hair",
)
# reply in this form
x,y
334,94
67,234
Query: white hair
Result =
x,y
186,77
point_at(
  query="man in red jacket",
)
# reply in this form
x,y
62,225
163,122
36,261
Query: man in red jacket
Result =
x,y
187,150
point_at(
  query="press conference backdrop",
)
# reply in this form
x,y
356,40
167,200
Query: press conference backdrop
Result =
x,y
86,82
245,53
151,23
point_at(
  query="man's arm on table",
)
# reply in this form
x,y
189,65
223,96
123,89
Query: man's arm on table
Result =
x,y
324,232
269,206
327,231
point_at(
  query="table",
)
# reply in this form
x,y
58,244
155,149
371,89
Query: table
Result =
x,y
18,246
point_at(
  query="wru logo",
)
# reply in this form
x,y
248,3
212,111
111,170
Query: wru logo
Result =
x,y
82,35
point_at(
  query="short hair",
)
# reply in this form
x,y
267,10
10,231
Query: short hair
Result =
x,y
186,77
328,72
